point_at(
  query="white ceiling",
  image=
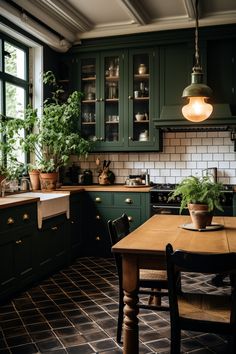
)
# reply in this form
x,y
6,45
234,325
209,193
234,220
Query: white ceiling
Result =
x,y
70,21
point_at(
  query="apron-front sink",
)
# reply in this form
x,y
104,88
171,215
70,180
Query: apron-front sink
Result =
x,y
49,205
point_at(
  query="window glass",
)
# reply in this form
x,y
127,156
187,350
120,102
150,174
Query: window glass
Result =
x,y
14,60
15,101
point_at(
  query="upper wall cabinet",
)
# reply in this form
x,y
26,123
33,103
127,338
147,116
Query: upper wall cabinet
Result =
x,y
218,60
221,71
118,104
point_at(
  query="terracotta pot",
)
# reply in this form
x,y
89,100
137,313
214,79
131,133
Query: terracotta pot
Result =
x,y
34,180
200,215
48,181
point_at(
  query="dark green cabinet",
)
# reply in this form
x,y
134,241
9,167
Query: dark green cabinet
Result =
x,y
76,224
103,206
52,244
118,86
221,71
17,252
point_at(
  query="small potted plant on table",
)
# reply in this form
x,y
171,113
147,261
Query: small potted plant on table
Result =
x,y
201,196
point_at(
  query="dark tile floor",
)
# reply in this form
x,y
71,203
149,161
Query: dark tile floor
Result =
x,y
75,310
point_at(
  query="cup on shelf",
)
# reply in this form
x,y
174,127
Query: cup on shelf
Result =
x,y
136,94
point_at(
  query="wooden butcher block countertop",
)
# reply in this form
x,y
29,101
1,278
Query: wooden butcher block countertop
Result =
x,y
106,188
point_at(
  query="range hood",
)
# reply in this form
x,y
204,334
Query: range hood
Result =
x,y
223,118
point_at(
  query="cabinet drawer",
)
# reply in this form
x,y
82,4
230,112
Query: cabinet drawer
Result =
x,y
127,199
14,217
101,198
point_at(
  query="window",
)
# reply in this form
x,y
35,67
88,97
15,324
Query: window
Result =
x,y
14,88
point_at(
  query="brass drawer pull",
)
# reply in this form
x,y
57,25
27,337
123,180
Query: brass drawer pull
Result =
x,y
98,238
98,217
72,222
54,228
130,218
98,200
128,201
25,217
18,242
10,221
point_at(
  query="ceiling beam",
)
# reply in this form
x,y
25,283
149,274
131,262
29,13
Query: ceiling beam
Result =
x,y
67,12
37,30
136,11
47,17
191,10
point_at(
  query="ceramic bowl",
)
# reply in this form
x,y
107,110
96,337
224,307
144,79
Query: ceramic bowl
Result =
x,y
139,117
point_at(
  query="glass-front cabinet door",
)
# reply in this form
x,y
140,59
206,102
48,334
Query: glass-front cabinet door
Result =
x,y
112,100
101,82
140,97
118,104
88,86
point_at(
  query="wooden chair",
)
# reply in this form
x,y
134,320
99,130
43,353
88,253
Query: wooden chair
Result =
x,y
151,281
198,311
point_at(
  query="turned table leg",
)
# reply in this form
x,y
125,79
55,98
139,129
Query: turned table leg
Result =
x,y
130,286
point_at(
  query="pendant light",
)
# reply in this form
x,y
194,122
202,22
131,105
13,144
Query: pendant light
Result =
x,y
197,109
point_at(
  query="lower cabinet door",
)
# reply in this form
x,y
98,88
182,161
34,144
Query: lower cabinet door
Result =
x,y
52,244
17,261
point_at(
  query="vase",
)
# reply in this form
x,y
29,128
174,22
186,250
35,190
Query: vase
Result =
x,y
34,180
200,215
142,69
48,181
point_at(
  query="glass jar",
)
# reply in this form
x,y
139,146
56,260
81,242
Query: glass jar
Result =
x,y
142,69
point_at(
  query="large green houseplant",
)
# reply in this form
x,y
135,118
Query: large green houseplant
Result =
x,y
200,195
54,135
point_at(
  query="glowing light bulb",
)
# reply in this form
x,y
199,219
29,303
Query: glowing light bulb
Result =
x,y
197,109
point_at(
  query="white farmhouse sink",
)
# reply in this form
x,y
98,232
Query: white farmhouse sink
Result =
x,y
49,205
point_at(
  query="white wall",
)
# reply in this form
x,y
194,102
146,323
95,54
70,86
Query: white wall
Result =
x,y
183,154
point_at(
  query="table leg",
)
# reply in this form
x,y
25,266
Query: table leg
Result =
x,y
130,286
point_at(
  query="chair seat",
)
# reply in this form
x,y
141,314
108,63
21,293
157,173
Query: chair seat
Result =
x,y
205,307
149,274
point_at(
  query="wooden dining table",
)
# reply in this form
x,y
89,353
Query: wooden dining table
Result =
x,y
145,248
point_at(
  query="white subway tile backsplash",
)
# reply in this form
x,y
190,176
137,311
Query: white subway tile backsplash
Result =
x,y
165,157
218,157
201,149
191,149
229,157
223,164
171,164
185,142
207,157
207,141
213,148
184,154
196,157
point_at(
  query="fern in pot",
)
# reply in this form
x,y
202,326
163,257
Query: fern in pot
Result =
x,y
201,196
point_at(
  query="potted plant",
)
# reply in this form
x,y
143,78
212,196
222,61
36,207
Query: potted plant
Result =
x,y
201,196
53,136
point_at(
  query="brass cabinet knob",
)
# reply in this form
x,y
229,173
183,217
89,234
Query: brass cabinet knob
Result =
x,y
25,217
130,97
130,218
98,217
10,221
130,138
128,201
54,228
72,222
18,242
98,200
98,238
